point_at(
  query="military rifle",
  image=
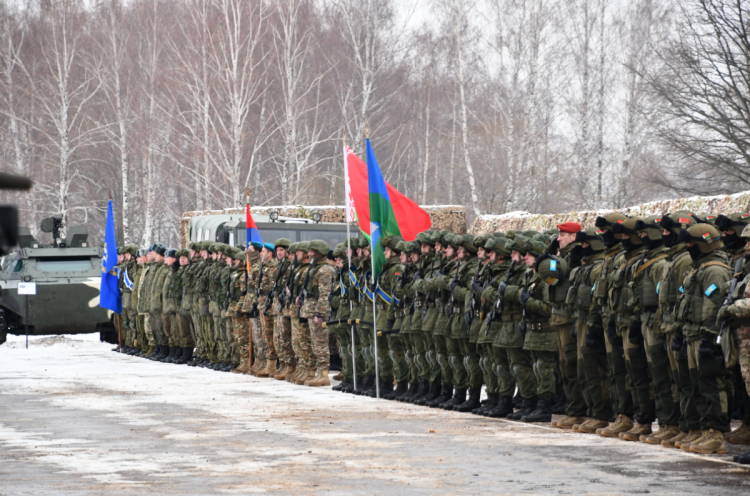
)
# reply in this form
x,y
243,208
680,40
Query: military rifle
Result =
x,y
730,297
477,280
522,324
254,310
497,308
417,275
303,294
449,306
289,280
269,299
229,289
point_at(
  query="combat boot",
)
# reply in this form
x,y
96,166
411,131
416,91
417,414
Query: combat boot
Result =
x,y
664,432
672,442
542,413
281,374
424,388
154,352
459,396
636,432
492,399
471,403
268,370
386,388
349,387
181,358
712,443
741,435
446,393
561,403
241,369
622,424
743,458
527,407
517,400
686,443
344,385
166,358
592,426
352,389
339,386
401,389
503,409
410,392
304,376
294,376
568,422
364,384
259,365
433,393
320,379
338,377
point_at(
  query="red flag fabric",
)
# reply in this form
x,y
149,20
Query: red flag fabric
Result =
x,y
411,219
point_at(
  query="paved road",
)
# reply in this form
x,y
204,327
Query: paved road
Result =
x,y
76,418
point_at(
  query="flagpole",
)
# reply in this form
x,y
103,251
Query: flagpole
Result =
x,y
349,264
374,319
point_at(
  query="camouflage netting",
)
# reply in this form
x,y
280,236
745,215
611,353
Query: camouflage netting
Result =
x,y
448,217
701,205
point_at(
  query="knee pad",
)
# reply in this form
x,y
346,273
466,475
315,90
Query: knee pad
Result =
x,y
483,365
467,363
455,362
442,360
429,356
392,354
408,357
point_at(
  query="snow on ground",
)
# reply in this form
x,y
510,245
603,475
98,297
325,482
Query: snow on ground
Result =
x,y
76,418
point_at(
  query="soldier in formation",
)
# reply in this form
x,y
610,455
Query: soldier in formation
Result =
x,y
629,322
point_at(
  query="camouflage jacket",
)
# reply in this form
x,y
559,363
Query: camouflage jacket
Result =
x,y
157,287
701,298
137,279
144,289
266,278
236,290
319,286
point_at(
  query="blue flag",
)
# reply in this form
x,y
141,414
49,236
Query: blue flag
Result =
x,y
109,289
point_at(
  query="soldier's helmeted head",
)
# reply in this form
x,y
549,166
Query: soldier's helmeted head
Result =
x,y
630,238
609,237
731,226
496,248
425,242
281,246
516,247
591,241
303,248
674,223
649,229
390,245
535,248
183,255
702,239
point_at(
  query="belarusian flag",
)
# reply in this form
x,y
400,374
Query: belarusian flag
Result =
x,y
382,219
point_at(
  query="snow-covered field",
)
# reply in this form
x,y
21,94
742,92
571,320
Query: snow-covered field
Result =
x,y
76,418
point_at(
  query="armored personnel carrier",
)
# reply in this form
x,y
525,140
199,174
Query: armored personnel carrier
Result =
x,y
64,276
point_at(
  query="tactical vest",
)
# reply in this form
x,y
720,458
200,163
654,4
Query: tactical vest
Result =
x,y
581,293
689,307
621,294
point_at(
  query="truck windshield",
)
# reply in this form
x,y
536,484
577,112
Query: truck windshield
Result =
x,y
64,264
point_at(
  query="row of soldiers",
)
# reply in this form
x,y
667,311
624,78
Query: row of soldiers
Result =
x,y
632,321
636,320
203,305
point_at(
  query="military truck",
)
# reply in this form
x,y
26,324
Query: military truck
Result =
x,y
231,229
66,275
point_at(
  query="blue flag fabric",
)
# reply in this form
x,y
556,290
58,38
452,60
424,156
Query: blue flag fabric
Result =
x,y
109,289
382,218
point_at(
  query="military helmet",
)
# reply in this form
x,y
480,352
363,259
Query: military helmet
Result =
x,y
516,244
425,238
305,246
204,245
293,248
132,249
182,252
651,226
706,236
480,240
535,246
746,232
319,246
608,221
339,251
677,221
412,247
391,242
192,246
497,245
552,269
467,241
627,227
736,221
591,236
283,242
238,254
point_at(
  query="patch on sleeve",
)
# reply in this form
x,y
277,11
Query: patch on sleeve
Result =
x,y
710,289
658,285
681,290
553,265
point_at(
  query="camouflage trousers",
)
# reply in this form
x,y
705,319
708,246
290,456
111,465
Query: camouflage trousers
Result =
x,y
593,376
543,364
259,344
207,330
742,341
266,322
487,364
227,326
282,340
470,363
619,384
636,363
319,344
513,366
241,328
157,327
456,362
200,342
183,335
222,347
708,377
166,325
663,383
302,344
145,333
129,330
397,352
568,353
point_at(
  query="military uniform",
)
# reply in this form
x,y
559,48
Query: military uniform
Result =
x,y
315,308
282,325
301,342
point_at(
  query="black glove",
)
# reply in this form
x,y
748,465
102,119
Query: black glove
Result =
x,y
595,338
612,331
663,341
553,247
501,288
524,296
705,349
389,324
476,288
677,342
453,285
576,255
635,336
573,331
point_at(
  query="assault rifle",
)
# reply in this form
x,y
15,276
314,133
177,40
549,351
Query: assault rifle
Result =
x,y
522,324
417,275
289,280
730,298
449,306
254,310
303,293
497,308
269,299
227,296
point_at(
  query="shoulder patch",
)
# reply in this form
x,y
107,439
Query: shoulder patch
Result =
x,y
710,289
553,265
